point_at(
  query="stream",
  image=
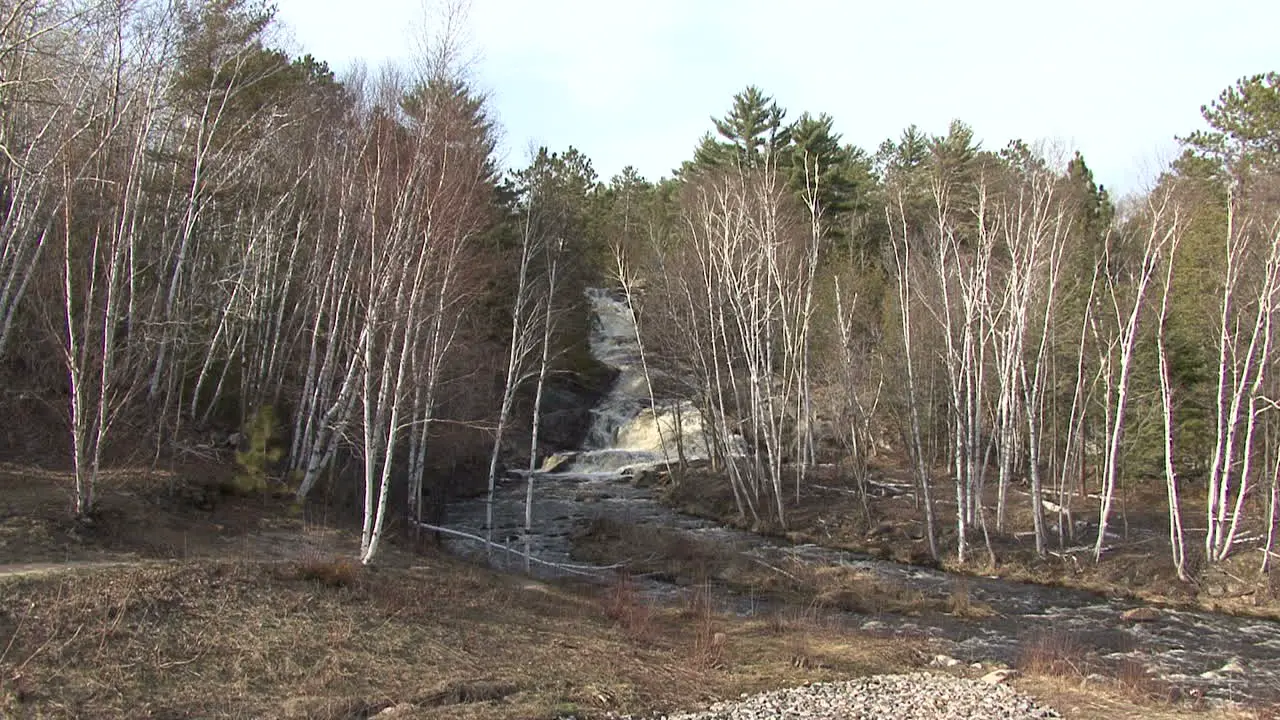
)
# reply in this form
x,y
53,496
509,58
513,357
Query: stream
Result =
x,y
1227,658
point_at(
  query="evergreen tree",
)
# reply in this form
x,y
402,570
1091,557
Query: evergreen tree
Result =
x,y
908,153
954,153
1094,209
228,79
1244,127
753,133
567,198
627,199
818,160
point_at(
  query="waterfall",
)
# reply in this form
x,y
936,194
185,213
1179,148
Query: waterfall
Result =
x,y
626,433
626,430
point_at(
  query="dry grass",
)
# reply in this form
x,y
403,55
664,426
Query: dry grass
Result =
x,y
846,588
675,555
652,550
1077,699
624,606
244,610
1060,658
1132,678
304,639
961,605
1054,654
330,571
708,649
294,628
803,629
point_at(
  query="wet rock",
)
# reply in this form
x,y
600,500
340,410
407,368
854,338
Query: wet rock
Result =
x,y
1140,614
996,677
1218,704
646,477
881,530
567,403
557,461
564,428
1233,667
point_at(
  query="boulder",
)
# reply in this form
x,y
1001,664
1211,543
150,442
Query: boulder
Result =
x,y
399,710
996,677
881,530
567,403
1140,614
557,461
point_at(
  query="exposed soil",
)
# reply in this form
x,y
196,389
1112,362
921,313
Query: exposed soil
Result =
x,y
143,514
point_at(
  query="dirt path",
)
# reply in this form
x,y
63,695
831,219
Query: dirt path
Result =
x,y
53,568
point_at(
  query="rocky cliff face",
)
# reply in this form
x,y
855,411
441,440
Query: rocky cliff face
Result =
x,y
567,406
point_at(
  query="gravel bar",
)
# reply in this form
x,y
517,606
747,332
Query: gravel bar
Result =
x,y
926,696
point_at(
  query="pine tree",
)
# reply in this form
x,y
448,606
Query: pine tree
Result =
x,y
817,159
753,133
1244,122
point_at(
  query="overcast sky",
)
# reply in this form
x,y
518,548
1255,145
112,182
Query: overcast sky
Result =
x,y
635,83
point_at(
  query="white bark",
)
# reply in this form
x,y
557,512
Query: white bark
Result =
x,y
903,274
1162,228
1177,537
522,343
1245,336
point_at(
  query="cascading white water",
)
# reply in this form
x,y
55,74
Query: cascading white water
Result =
x,y
625,434
626,431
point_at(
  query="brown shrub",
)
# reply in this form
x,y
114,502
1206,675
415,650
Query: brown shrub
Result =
x,y
623,605
709,642
334,572
1132,677
1053,654
961,605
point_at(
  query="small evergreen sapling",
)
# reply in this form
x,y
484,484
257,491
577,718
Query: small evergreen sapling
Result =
x,y
264,452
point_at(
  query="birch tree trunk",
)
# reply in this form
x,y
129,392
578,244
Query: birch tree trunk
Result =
x,y
1245,336
903,272
523,341
1163,226
1177,537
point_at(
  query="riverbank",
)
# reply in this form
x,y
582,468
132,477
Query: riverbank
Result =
x,y
164,609
244,609
830,512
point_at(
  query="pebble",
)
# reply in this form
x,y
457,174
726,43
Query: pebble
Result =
x,y
926,696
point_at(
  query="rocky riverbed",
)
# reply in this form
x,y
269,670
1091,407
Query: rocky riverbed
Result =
x,y
1224,658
